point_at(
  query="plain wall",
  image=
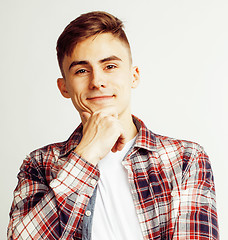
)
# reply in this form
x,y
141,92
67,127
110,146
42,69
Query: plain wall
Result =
x,y
181,48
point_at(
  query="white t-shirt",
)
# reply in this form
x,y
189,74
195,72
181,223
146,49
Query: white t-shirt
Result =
x,y
114,213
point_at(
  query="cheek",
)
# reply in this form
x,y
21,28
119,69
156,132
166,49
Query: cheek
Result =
x,y
123,79
73,88
124,90
126,83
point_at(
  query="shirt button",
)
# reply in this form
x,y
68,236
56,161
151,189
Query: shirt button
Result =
x,y
93,182
174,193
88,213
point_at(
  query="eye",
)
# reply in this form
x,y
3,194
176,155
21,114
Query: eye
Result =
x,y
111,66
81,71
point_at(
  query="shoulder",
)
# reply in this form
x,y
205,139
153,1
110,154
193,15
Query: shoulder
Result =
x,y
44,163
168,149
40,160
47,151
182,159
54,151
185,146
182,152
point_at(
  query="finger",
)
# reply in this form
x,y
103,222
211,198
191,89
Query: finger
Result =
x,y
118,146
109,111
114,148
120,143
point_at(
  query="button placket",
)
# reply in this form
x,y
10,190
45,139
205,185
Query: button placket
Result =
x,y
93,182
88,213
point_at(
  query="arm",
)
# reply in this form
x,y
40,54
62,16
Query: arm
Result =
x,y
197,212
42,211
53,210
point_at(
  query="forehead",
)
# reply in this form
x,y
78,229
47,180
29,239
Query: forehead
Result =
x,y
98,47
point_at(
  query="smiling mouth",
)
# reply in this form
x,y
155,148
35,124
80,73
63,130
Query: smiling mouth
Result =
x,y
97,98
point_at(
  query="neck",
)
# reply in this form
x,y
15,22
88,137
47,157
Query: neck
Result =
x,y
129,127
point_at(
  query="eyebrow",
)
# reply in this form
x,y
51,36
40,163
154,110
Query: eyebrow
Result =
x,y
111,58
74,63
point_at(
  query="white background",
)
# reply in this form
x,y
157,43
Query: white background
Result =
x,y
181,48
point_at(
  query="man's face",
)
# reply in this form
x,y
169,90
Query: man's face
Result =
x,y
99,74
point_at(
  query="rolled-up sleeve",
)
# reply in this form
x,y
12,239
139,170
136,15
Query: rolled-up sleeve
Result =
x,y
43,210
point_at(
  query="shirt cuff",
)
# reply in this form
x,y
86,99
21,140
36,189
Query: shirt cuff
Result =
x,y
76,175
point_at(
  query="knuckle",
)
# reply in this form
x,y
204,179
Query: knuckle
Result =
x,y
108,120
100,115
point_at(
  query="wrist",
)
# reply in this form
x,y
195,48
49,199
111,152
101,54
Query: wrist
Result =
x,y
87,155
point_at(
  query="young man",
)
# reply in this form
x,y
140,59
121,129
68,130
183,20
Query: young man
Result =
x,y
113,178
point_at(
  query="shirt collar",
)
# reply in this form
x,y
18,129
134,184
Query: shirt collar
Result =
x,y
145,138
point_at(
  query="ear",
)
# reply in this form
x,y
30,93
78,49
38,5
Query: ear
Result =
x,y
136,77
61,82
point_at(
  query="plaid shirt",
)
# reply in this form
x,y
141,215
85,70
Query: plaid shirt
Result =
x,y
171,183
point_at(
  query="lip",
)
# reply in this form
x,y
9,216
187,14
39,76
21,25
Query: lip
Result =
x,y
103,97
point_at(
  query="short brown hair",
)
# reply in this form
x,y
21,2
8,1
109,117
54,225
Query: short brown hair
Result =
x,y
85,26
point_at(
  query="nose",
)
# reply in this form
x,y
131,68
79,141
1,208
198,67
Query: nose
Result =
x,y
97,80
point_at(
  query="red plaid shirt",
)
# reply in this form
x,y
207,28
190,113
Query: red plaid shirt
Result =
x,y
171,182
